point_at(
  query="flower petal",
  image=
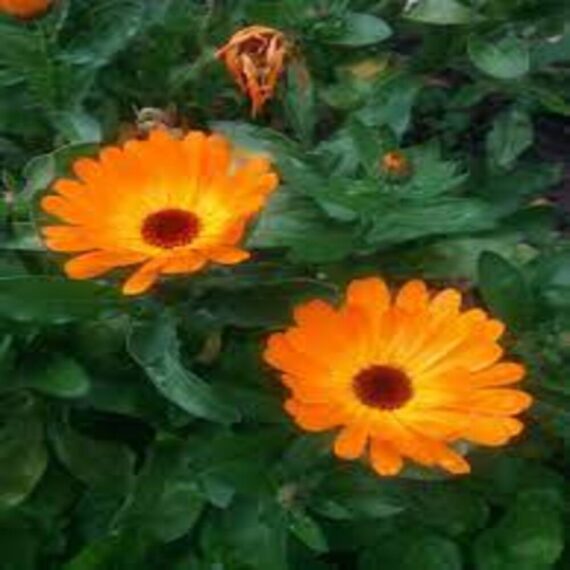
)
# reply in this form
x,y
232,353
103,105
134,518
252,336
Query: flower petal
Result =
x,y
97,263
351,441
385,459
143,278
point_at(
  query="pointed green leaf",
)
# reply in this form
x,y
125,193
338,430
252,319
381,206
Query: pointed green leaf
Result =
x,y
54,300
507,58
154,345
505,290
22,451
361,30
441,12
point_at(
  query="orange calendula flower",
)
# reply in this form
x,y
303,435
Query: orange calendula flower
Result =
x,y
255,56
169,205
402,378
24,8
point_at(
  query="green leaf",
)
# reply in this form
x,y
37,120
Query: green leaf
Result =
x,y
551,278
360,140
293,222
511,134
412,550
78,127
499,477
258,140
22,450
390,102
239,462
108,27
505,290
300,102
307,530
549,52
109,553
261,306
445,217
507,58
451,258
448,509
149,500
7,357
509,191
99,464
20,541
61,376
42,170
441,12
432,175
29,60
153,343
529,537
355,493
256,533
54,300
177,511
361,30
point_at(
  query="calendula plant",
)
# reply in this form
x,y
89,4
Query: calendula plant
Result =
x,y
284,285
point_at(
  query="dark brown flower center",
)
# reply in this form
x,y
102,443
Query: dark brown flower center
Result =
x,y
382,387
170,228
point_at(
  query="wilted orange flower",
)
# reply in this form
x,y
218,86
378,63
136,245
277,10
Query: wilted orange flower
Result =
x,y
255,56
24,8
396,163
403,378
170,205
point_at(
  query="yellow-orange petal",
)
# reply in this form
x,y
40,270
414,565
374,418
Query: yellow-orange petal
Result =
x,y
502,401
407,442
95,263
69,188
25,9
282,355
88,170
143,278
64,209
67,238
501,374
371,294
351,441
313,417
308,392
469,356
492,431
450,460
493,330
184,262
385,459
446,303
413,296
228,255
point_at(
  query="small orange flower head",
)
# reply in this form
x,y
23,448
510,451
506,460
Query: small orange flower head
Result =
x,y
256,57
395,163
168,205
400,377
25,9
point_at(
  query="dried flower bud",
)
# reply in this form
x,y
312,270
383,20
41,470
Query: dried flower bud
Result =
x,y
256,57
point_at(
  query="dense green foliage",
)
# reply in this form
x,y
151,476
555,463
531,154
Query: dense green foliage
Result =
x,y
146,433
